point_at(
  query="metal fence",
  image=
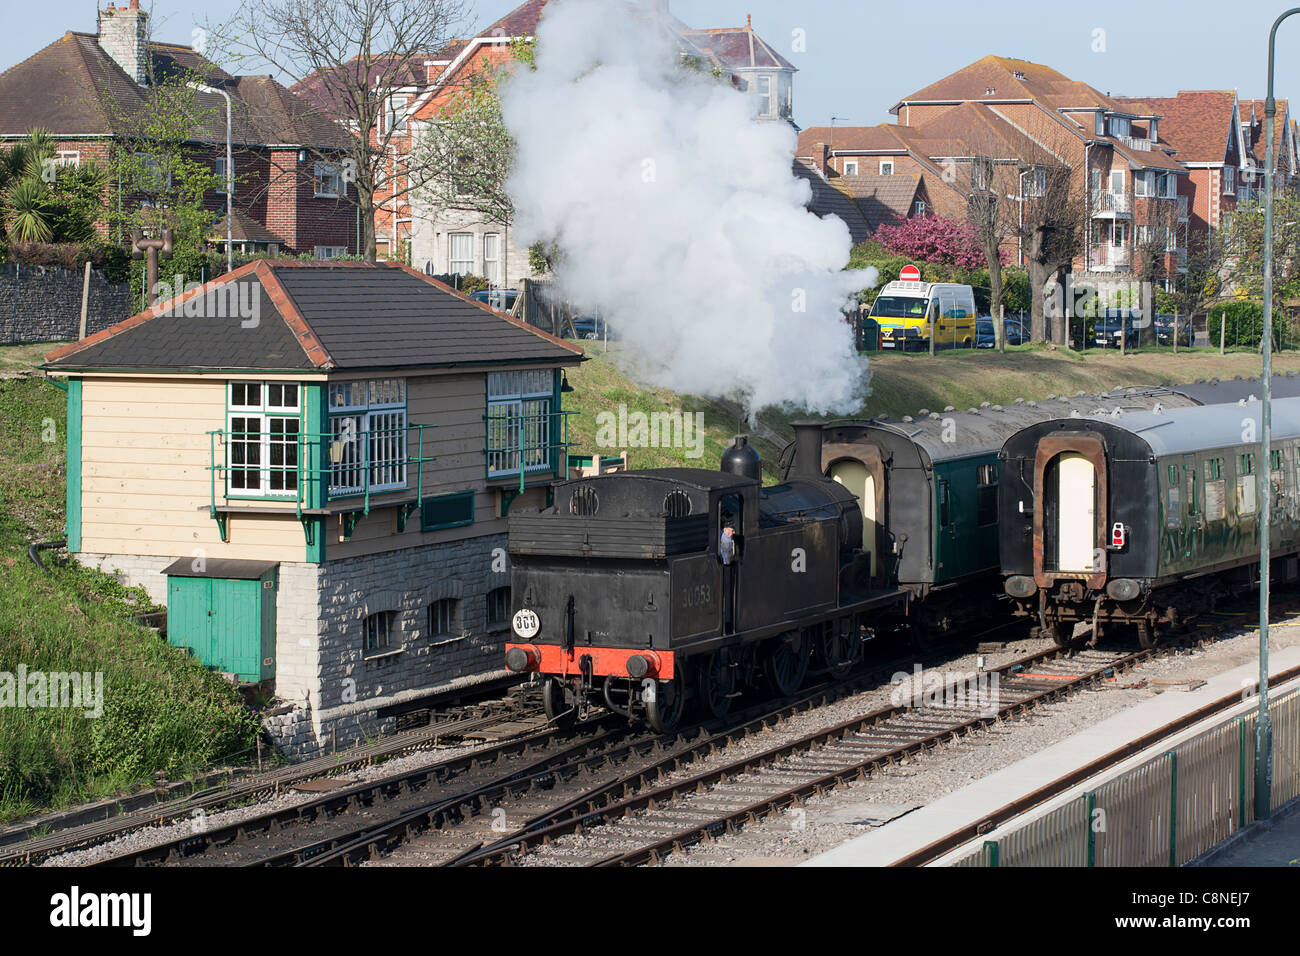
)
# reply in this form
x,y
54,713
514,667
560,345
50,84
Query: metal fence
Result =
x,y
1166,811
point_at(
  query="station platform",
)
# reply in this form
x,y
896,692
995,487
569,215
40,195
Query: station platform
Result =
x,y
906,835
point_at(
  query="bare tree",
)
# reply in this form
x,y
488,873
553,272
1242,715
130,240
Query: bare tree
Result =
x,y
1053,223
348,59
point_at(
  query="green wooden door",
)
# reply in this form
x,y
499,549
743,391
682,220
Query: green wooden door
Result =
x,y
237,628
188,622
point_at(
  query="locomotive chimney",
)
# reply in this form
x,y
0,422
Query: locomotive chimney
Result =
x,y
807,451
741,459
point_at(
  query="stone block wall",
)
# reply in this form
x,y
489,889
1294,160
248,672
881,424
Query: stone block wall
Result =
x,y
39,304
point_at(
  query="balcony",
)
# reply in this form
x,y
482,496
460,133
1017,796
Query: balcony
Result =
x,y
1108,258
1108,205
1142,145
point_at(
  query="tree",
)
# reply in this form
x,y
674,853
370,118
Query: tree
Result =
x,y
1155,240
354,63
43,202
935,239
1243,246
1053,223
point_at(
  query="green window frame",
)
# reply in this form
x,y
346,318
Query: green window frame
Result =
x,y
519,421
455,510
367,436
1192,497
942,494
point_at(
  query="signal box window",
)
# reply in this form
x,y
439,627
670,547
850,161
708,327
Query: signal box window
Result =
x,y
498,607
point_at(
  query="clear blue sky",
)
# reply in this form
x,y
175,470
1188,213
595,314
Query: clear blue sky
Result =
x,y
862,56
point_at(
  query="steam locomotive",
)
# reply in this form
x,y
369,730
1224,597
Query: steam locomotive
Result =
x,y
641,590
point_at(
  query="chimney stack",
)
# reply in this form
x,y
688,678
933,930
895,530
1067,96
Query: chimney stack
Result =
x,y
821,157
122,35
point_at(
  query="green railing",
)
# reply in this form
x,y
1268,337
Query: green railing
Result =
x,y
313,468
524,444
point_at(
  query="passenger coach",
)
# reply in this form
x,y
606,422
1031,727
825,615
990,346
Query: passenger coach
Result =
x,y
1144,519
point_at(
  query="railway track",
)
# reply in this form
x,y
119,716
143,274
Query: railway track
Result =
x,y
510,718
629,822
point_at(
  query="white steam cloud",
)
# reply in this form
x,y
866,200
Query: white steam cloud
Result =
x,y
678,216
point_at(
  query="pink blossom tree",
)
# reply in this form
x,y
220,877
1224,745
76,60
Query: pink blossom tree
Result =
x,y
934,239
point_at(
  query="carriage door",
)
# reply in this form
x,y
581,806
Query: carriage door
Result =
x,y
855,476
1076,512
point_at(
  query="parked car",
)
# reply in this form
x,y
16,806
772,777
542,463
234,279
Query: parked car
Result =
x,y
1107,328
1165,330
590,327
501,299
984,332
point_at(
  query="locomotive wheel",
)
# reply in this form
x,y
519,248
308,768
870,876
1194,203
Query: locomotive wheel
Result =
x,y
664,713
561,707
717,684
839,652
787,663
1148,637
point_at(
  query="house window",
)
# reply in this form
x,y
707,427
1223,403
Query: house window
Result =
x,y
220,168
1101,124
1229,179
327,182
765,96
1168,186
1142,184
442,618
918,207
519,421
498,607
367,422
1119,126
397,114
981,174
377,632
329,252
886,167
986,495
262,447
850,167
1037,183
447,511
492,259
460,252
153,176
68,158
1117,181
1154,135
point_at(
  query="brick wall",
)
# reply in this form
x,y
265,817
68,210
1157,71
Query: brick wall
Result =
x,y
39,304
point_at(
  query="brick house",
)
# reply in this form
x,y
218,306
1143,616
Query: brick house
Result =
x,y
455,242
1203,126
81,86
1285,147
314,479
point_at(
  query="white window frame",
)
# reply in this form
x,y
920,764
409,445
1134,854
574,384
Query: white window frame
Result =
x,y
67,158
765,94
1100,127
918,208
329,252
219,167
1120,126
1152,132
397,116
452,261
270,410
886,167
1229,179
519,404
327,181
850,167
367,423
1143,184
1111,182
492,260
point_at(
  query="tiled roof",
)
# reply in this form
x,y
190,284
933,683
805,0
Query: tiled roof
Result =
x,y
72,87
245,230
317,316
881,199
1254,109
1198,123
827,200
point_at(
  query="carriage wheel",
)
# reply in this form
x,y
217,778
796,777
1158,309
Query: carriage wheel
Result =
x,y
664,713
1063,633
718,683
787,663
560,703
1148,637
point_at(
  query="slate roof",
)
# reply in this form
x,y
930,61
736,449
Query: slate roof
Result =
x,y
244,230
73,88
317,316
739,48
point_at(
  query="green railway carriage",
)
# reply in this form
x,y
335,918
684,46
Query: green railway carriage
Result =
x,y
928,490
1144,519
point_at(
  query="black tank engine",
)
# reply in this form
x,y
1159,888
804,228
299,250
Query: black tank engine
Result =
x,y
644,590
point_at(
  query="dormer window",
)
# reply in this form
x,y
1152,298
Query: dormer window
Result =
x,y
1154,135
1119,126
1101,124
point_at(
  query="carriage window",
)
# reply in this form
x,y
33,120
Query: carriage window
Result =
x,y
986,495
1213,469
1173,500
1215,494
1247,464
1191,493
942,494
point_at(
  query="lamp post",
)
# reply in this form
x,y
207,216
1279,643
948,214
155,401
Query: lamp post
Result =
x,y
230,175
1263,726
